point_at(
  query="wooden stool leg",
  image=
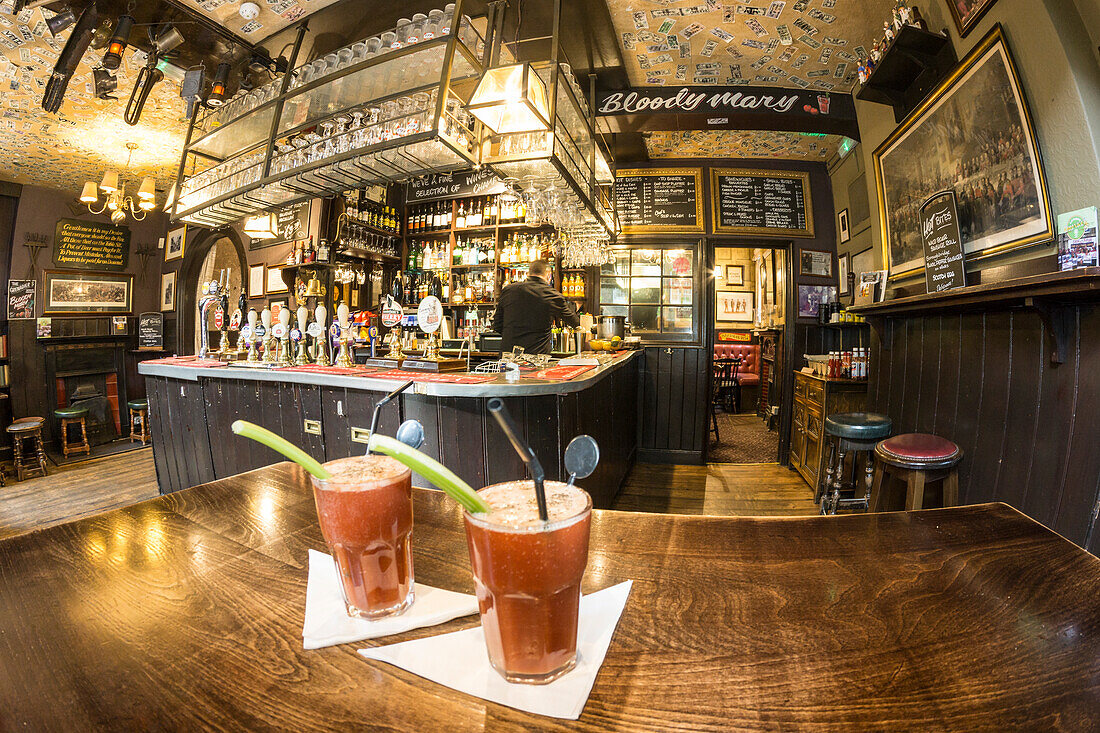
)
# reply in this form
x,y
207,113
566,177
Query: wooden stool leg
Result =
x,y
145,438
17,447
951,488
84,445
869,474
877,499
822,487
914,494
41,447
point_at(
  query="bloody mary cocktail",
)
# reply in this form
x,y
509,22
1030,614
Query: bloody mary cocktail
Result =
x,y
528,577
365,512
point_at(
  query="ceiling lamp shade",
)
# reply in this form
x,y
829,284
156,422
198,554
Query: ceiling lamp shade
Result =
x,y
110,181
511,99
260,227
89,195
148,189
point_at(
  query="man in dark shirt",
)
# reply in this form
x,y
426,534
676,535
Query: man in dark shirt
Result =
x,y
527,310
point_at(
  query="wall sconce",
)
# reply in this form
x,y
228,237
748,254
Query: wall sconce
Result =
x,y
511,99
261,227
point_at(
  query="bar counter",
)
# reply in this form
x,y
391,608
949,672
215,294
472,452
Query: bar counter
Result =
x,y
185,612
328,413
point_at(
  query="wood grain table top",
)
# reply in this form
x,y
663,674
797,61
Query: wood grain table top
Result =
x,y
185,612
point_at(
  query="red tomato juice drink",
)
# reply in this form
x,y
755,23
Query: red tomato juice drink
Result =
x,y
528,577
365,512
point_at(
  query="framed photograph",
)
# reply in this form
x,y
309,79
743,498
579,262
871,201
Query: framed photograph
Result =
x,y
168,291
256,281
844,229
275,282
734,306
88,293
810,298
276,307
967,13
989,158
177,238
735,274
814,263
843,267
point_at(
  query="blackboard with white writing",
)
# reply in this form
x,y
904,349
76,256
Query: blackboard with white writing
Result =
x,y
151,331
482,182
659,200
761,202
944,262
90,245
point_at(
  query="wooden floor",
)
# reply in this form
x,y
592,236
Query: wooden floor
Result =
x,y
761,489
77,490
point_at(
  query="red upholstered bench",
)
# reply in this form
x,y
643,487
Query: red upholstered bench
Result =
x,y
748,373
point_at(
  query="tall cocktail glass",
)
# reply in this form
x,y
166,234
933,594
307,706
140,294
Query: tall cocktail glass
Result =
x,y
365,513
528,577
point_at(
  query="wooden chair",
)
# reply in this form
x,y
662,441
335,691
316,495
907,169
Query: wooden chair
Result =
x,y
73,417
917,459
34,460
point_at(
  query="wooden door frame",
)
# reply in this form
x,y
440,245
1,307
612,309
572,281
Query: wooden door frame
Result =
x,y
188,279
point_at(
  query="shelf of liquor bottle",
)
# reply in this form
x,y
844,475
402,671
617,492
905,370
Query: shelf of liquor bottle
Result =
x,y
372,229
435,234
464,304
473,230
367,255
482,265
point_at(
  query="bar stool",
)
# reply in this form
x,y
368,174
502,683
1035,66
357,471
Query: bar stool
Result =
x,y
34,461
75,417
918,459
857,433
139,415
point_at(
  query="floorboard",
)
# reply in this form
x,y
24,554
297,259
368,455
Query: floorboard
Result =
x,y
77,490
763,489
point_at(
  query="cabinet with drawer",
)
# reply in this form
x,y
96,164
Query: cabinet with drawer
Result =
x,y
815,398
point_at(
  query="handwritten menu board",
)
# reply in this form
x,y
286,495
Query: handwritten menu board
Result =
x,y
747,201
659,200
291,224
944,261
150,331
90,245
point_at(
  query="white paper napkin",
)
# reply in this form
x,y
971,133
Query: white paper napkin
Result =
x,y
327,622
460,661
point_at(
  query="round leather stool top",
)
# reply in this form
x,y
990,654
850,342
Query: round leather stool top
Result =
x,y
26,424
138,404
71,412
919,450
859,426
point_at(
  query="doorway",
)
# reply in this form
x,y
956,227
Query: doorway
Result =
x,y
746,333
222,257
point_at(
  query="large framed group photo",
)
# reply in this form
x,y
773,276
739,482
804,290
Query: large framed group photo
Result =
x,y
974,135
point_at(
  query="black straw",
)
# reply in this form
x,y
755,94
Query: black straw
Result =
x,y
508,425
381,403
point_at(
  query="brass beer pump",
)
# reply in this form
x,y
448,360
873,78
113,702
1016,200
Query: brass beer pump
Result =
x,y
285,358
343,357
303,342
265,321
320,343
253,339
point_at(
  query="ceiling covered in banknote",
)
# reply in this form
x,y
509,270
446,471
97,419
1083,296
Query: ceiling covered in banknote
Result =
x,y
740,144
805,44
275,15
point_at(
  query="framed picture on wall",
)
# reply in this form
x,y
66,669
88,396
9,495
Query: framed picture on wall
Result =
x,y
990,160
967,13
87,293
810,298
863,261
275,282
276,307
177,238
734,306
843,228
814,263
255,281
735,274
168,291
843,267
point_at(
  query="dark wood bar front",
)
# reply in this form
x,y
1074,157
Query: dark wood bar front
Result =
x,y
192,408
185,612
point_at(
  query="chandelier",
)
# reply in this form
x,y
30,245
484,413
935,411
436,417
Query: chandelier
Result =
x,y
117,202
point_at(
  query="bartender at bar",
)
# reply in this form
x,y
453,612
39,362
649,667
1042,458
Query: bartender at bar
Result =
x,y
527,310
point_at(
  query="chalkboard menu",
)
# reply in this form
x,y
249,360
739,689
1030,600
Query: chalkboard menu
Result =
x,y
761,202
291,224
482,182
90,245
944,266
150,331
659,200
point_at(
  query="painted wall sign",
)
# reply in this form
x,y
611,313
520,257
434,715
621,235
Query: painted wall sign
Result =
x,y
659,200
454,186
746,201
90,245
944,264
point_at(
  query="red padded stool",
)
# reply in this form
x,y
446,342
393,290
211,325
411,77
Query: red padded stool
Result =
x,y
917,459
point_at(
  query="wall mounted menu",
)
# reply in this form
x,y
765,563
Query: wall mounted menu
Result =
x,y
151,331
747,201
659,200
944,261
90,245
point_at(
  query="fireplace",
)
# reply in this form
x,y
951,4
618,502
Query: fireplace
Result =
x,y
90,372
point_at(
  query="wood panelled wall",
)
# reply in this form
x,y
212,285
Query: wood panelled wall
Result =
x,y
1029,430
672,400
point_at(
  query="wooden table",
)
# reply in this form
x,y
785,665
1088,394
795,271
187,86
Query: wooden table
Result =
x,y
185,612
